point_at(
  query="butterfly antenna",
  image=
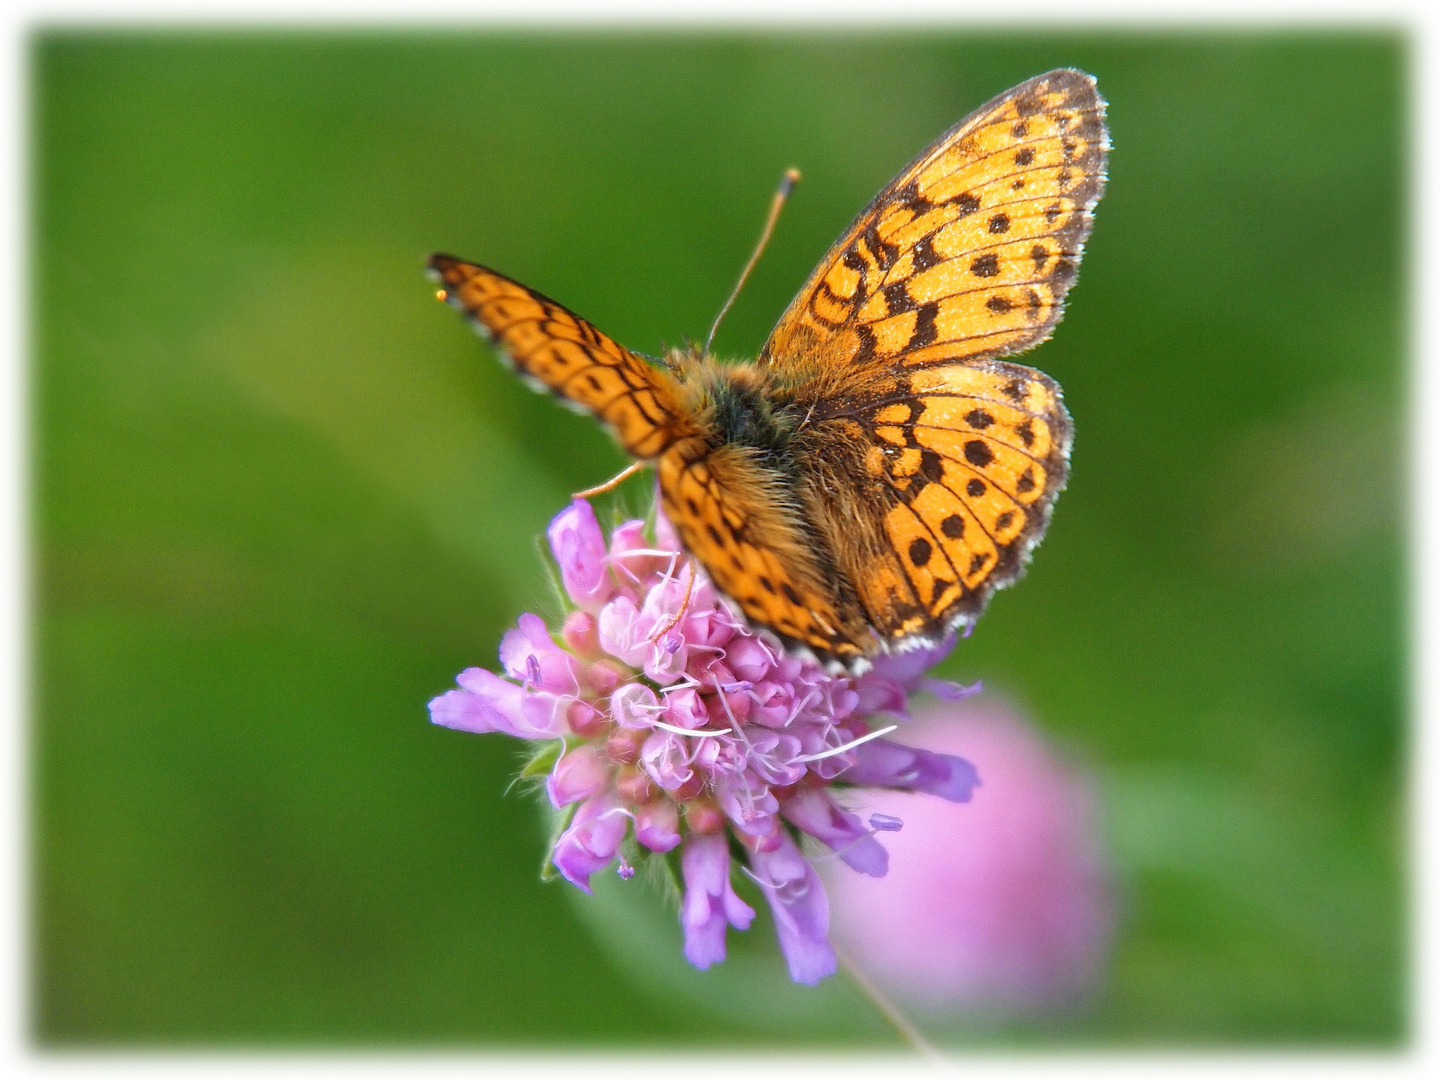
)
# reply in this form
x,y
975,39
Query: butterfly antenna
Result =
x,y
787,185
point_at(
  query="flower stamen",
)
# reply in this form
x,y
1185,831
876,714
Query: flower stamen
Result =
x,y
847,746
699,732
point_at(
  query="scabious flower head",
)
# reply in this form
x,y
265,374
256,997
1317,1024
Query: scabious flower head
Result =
x,y
676,728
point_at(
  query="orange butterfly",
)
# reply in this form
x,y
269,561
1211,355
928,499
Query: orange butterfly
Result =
x,y
868,482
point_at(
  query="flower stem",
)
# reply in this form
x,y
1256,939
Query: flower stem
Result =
x,y
908,1032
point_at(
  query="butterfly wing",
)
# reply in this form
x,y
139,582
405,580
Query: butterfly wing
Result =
x,y
964,258
968,253
556,350
961,464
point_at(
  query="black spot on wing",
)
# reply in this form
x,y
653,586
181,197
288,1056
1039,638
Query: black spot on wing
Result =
x,y
925,330
978,453
923,255
897,298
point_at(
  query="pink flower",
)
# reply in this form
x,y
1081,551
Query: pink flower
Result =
x,y
580,551
657,825
710,902
679,718
801,910
593,839
815,812
883,763
1000,906
578,774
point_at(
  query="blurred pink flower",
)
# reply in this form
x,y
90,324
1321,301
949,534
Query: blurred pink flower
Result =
x,y
1001,906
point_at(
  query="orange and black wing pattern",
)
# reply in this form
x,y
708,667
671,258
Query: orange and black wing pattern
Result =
x,y
966,461
556,350
964,258
968,253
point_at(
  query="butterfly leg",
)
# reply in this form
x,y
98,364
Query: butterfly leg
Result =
x,y
684,606
614,482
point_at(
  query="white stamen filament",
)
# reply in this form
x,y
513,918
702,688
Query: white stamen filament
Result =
x,y
698,732
849,745
797,708
756,878
790,890
735,724
657,552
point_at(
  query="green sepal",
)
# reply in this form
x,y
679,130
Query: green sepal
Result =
x,y
655,870
559,822
542,759
557,584
538,764
659,870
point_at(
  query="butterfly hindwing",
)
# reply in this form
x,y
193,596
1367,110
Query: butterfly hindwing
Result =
x,y
971,457
954,470
969,252
561,352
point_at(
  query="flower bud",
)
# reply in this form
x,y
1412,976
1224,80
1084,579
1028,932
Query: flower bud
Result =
x,y
624,746
703,817
581,634
634,786
657,825
603,676
689,788
584,720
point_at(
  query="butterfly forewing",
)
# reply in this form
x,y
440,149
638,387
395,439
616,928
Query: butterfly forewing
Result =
x,y
563,353
969,252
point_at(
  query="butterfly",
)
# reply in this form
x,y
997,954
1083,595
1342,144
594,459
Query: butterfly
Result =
x,y
880,469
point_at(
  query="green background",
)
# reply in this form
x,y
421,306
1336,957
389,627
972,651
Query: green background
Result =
x,y
280,496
